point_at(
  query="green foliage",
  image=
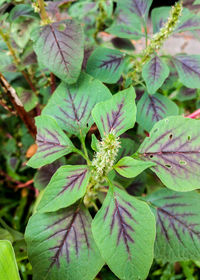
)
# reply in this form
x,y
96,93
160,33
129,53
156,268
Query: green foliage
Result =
x,y
8,265
116,193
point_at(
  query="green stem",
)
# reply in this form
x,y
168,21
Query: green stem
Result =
x,y
81,154
43,13
145,33
82,138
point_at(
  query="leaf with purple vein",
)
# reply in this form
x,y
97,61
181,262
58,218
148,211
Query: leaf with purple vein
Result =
x,y
28,98
117,114
59,47
178,225
185,94
138,7
124,230
188,67
61,243
174,145
151,109
44,174
154,73
126,25
106,65
71,105
67,185
188,20
52,142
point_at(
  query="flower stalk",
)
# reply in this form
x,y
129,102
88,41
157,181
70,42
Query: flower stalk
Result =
x,y
158,40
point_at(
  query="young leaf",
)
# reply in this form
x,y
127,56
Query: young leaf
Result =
x,y
28,98
188,67
124,230
52,142
8,264
106,65
60,245
151,109
21,10
185,94
178,225
71,105
138,7
154,74
117,114
174,145
129,167
67,185
59,47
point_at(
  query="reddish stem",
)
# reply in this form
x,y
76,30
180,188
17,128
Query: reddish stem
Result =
x,y
23,185
53,83
29,122
194,115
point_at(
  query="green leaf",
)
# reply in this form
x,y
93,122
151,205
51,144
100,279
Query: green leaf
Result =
x,y
21,12
188,67
59,47
129,167
117,114
94,143
127,148
137,7
6,235
188,21
126,25
174,145
185,94
8,264
178,225
196,2
43,175
52,142
124,230
71,105
151,109
61,245
159,17
155,73
28,98
106,65
67,185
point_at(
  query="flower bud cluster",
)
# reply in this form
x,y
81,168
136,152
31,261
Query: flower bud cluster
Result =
x,y
105,157
158,39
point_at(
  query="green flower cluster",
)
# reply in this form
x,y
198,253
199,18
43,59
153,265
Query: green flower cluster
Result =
x,y
159,38
105,157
